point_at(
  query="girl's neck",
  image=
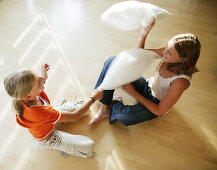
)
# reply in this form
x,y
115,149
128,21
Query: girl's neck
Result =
x,y
33,102
164,72
165,66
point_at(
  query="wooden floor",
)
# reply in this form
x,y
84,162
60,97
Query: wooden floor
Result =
x,y
69,36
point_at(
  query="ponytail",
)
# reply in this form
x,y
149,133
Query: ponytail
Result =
x,y
18,85
18,107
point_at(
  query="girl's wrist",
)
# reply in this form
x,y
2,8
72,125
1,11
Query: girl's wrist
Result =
x,y
92,98
143,35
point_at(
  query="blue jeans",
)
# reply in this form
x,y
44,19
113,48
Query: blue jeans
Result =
x,y
127,114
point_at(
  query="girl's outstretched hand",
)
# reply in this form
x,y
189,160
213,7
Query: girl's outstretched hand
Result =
x,y
97,94
146,30
44,69
128,88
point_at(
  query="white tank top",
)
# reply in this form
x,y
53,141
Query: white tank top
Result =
x,y
159,85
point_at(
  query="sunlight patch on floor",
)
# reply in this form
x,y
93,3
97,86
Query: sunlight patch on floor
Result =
x,y
1,61
113,162
65,59
31,46
5,111
26,31
10,140
211,136
23,160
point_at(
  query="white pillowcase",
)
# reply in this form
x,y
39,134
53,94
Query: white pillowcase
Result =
x,y
128,66
131,15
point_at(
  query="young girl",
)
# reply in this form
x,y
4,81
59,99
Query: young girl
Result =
x,y
159,93
33,111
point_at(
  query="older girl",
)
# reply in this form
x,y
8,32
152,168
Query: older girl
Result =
x,y
160,92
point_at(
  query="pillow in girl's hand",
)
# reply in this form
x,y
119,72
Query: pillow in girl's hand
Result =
x,y
128,66
131,15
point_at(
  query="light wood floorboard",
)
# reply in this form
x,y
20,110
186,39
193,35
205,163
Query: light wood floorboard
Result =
x,y
69,36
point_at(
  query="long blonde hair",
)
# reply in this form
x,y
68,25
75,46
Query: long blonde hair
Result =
x,y
18,85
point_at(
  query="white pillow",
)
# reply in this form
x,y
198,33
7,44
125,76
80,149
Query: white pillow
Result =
x,y
128,66
131,15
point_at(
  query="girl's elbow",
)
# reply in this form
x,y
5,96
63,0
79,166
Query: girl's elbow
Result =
x,y
161,112
70,117
158,114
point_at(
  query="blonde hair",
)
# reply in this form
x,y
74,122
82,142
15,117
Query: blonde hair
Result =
x,y
18,85
188,47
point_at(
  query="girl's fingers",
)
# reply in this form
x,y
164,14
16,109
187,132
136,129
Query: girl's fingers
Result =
x,y
46,65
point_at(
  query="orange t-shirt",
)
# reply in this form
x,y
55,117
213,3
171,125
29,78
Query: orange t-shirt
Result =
x,y
39,120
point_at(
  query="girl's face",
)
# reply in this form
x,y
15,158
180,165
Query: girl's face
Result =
x,y
170,54
37,88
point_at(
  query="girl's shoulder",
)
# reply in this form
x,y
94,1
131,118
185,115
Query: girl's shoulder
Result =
x,y
182,81
36,113
37,109
183,76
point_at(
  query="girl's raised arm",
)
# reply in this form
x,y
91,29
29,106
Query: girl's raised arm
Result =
x,y
142,38
44,69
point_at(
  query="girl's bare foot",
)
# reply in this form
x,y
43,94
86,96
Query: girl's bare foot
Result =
x,y
101,114
104,111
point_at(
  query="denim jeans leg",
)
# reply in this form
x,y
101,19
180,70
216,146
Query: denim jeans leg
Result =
x,y
107,94
133,114
129,115
141,85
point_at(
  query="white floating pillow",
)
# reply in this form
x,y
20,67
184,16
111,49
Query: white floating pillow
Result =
x,y
128,66
131,15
